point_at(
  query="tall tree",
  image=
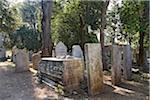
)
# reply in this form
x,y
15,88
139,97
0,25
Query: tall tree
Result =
x,y
144,18
73,22
114,33
103,9
134,16
46,27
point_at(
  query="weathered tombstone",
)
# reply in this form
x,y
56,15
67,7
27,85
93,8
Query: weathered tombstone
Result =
x,y
2,49
14,52
36,58
60,49
146,65
22,61
1,40
53,53
94,68
107,57
127,62
30,55
116,65
2,54
77,51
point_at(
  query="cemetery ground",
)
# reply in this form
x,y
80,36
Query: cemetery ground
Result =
x,y
23,86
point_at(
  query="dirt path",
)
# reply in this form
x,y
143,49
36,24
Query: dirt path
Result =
x,y
22,86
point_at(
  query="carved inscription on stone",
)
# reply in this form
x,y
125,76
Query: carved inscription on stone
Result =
x,y
52,68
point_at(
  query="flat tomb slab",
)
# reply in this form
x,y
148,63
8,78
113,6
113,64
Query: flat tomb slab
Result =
x,y
67,72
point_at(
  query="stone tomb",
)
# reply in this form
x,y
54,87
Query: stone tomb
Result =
x,y
22,60
94,68
65,72
77,51
60,49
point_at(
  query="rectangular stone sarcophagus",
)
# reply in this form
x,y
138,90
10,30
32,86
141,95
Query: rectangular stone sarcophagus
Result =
x,y
65,72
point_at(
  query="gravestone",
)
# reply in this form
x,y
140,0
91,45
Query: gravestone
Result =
x,y
53,53
60,49
2,54
146,56
116,65
107,57
36,58
77,51
1,41
127,62
30,55
94,68
2,49
14,52
22,60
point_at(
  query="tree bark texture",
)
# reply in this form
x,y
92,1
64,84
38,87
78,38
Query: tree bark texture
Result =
x,y
46,28
102,27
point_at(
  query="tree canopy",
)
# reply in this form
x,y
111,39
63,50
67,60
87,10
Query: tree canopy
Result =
x,y
8,23
76,22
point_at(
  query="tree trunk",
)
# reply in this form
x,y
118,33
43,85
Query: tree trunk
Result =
x,y
141,50
143,19
102,27
81,32
46,28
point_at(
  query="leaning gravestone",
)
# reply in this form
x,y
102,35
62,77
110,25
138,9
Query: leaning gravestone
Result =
x,y
94,68
60,49
116,65
77,51
22,60
127,62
